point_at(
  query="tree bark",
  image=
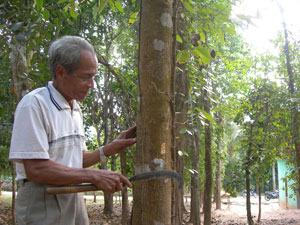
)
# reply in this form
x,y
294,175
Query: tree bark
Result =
x,y
125,202
218,180
195,192
259,201
218,189
208,164
247,175
108,197
294,109
181,109
21,85
152,199
274,186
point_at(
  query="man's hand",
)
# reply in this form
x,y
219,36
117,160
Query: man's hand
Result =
x,y
109,181
124,140
129,133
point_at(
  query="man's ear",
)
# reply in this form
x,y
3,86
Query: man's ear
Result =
x,y
60,71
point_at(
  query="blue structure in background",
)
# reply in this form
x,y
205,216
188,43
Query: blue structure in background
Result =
x,y
287,196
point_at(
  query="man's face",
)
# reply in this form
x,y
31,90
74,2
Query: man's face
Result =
x,y
77,84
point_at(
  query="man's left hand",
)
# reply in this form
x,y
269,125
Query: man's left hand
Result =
x,y
124,140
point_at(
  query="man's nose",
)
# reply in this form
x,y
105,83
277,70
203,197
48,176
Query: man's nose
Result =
x,y
91,83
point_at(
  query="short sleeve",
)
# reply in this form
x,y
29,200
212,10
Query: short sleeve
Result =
x,y
29,137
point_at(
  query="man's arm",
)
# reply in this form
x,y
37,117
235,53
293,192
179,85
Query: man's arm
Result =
x,y
124,140
46,171
118,145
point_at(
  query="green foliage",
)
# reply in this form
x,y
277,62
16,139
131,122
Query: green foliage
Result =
x,y
233,181
213,56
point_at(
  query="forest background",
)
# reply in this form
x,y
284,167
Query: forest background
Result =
x,y
231,122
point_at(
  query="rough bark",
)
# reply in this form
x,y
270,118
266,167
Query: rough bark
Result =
x,y
247,175
152,199
208,164
195,192
108,197
176,201
218,189
181,109
21,85
125,202
274,186
259,201
294,109
218,181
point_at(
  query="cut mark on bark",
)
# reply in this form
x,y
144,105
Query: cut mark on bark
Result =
x,y
157,164
158,44
163,148
166,20
142,169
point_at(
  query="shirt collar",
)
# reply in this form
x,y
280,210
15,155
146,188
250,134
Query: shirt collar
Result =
x,y
58,100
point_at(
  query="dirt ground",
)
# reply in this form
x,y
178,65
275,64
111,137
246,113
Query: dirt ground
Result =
x,y
232,213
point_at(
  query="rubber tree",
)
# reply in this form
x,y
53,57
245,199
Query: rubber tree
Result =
x,y
152,198
295,116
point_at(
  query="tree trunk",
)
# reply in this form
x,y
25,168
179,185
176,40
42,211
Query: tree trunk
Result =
x,y
218,189
274,186
125,202
247,174
152,198
259,201
13,200
108,197
294,108
176,210
21,85
218,179
181,109
208,164
195,192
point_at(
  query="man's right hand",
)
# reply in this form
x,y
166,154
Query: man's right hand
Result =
x,y
109,181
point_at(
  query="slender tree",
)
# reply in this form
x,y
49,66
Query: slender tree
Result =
x,y
295,115
152,199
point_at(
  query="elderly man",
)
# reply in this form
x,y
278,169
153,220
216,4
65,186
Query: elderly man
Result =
x,y
48,142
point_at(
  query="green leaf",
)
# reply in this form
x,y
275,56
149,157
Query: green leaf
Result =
x,y
72,11
46,14
202,36
111,4
101,5
39,4
188,5
183,56
206,115
133,18
203,54
178,38
119,6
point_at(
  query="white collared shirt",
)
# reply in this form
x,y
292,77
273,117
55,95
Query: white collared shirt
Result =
x,y
45,127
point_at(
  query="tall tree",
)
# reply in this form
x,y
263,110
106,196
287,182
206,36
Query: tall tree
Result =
x,y
295,115
181,111
152,199
208,159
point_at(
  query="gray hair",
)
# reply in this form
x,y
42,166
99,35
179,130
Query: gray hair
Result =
x,y
66,51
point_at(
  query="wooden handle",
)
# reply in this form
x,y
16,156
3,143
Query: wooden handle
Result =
x,y
71,189
143,176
